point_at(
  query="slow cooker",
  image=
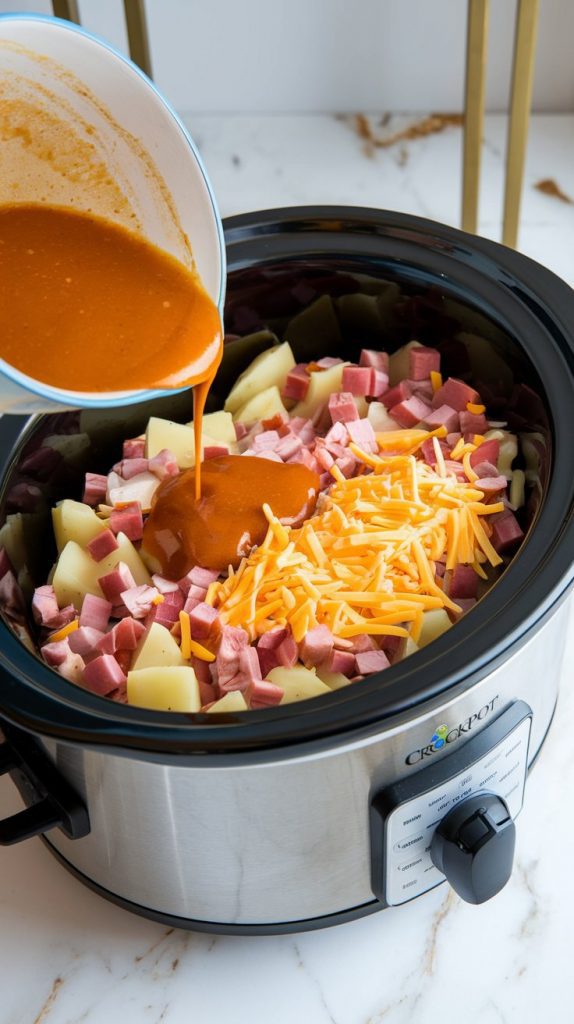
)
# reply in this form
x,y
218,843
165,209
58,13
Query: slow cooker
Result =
x,y
302,816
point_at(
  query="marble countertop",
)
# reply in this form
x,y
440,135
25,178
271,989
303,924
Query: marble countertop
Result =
x,y
66,956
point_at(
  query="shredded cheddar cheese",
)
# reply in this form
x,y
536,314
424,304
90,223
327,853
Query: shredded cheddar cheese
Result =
x,y
476,409
65,631
365,562
436,380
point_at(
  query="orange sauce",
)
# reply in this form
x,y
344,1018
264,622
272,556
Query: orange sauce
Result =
x,y
228,520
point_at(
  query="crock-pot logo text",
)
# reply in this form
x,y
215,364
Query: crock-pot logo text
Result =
x,y
443,734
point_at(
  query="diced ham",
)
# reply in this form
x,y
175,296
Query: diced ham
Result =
x,y
303,428
164,586
55,653
95,612
134,448
128,468
397,394
342,407
485,469
139,599
455,393
324,458
263,694
506,531
95,489
422,389
378,360
128,520
164,614
428,451
202,672
316,646
357,380
123,637
103,674
473,423
362,433
423,361
163,464
491,485
371,661
338,434
207,694
203,620
341,661
379,384
63,618
233,640
347,463
288,447
463,582
326,362
488,451
214,451
453,438
83,641
249,664
44,605
410,412
442,416
266,441
391,645
240,431
267,647
287,652
117,581
363,642
198,577
102,545
296,384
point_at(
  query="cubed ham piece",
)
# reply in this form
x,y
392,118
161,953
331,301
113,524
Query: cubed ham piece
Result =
x,y
324,458
128,520
249,664
287,652
486,469
491,485
473,423
267,647
44,605
303,428
391,645
316,646
463,582
488,451
363,642
455,393
130,467
95,612
117,581
347,463
202,672
296,384
379,384
342,407
233,640
207,694
377,360
263,694
134,448
163,464
55,653
326,362
63,618
422,389
83,641
363,435
371,661
338,434
240,431
266,441
139,599
422,362
453,438
103,674
166,615
268,454
357,380
429,453
198,577
203,621
95,489
288,447
102,545
127,634
164,586
215,451
506,531
442,416
410,412
399,393
341,661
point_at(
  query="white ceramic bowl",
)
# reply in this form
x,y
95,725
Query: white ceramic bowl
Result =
x,y
99,136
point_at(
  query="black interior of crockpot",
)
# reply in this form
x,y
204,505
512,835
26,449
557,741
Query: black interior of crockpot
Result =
x,y
326,299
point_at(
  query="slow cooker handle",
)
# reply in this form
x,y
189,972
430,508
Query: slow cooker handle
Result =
x,y
51,801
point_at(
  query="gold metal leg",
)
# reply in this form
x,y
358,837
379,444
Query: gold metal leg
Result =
x,y
67,9
138,39
521,95
476,40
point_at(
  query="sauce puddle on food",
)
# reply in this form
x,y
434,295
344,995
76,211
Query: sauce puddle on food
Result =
x,y
86,305
228,520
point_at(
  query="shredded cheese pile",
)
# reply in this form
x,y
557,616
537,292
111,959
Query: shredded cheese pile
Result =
x,y
364,563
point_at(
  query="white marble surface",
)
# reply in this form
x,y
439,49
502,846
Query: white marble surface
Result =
x,y
67,957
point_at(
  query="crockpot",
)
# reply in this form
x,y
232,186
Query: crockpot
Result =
x,y
302,816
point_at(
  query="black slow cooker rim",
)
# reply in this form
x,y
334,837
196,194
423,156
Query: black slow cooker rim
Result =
x,y
33,697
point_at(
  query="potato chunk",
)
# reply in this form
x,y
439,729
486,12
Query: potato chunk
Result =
x,y
157,648
268,369
164,688
76,574
233,701
298,683
72,520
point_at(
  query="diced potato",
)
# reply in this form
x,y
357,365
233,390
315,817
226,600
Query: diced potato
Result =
x,y
72,520
177,437
76,574
13,541
268,369
399,362
508,450
410,647
233,701
219,427
164,688
380,419
435,623
261,407
322,385
299,683
141,488
334,680
157,648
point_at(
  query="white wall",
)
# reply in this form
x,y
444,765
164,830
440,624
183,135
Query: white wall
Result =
x,y
332,55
